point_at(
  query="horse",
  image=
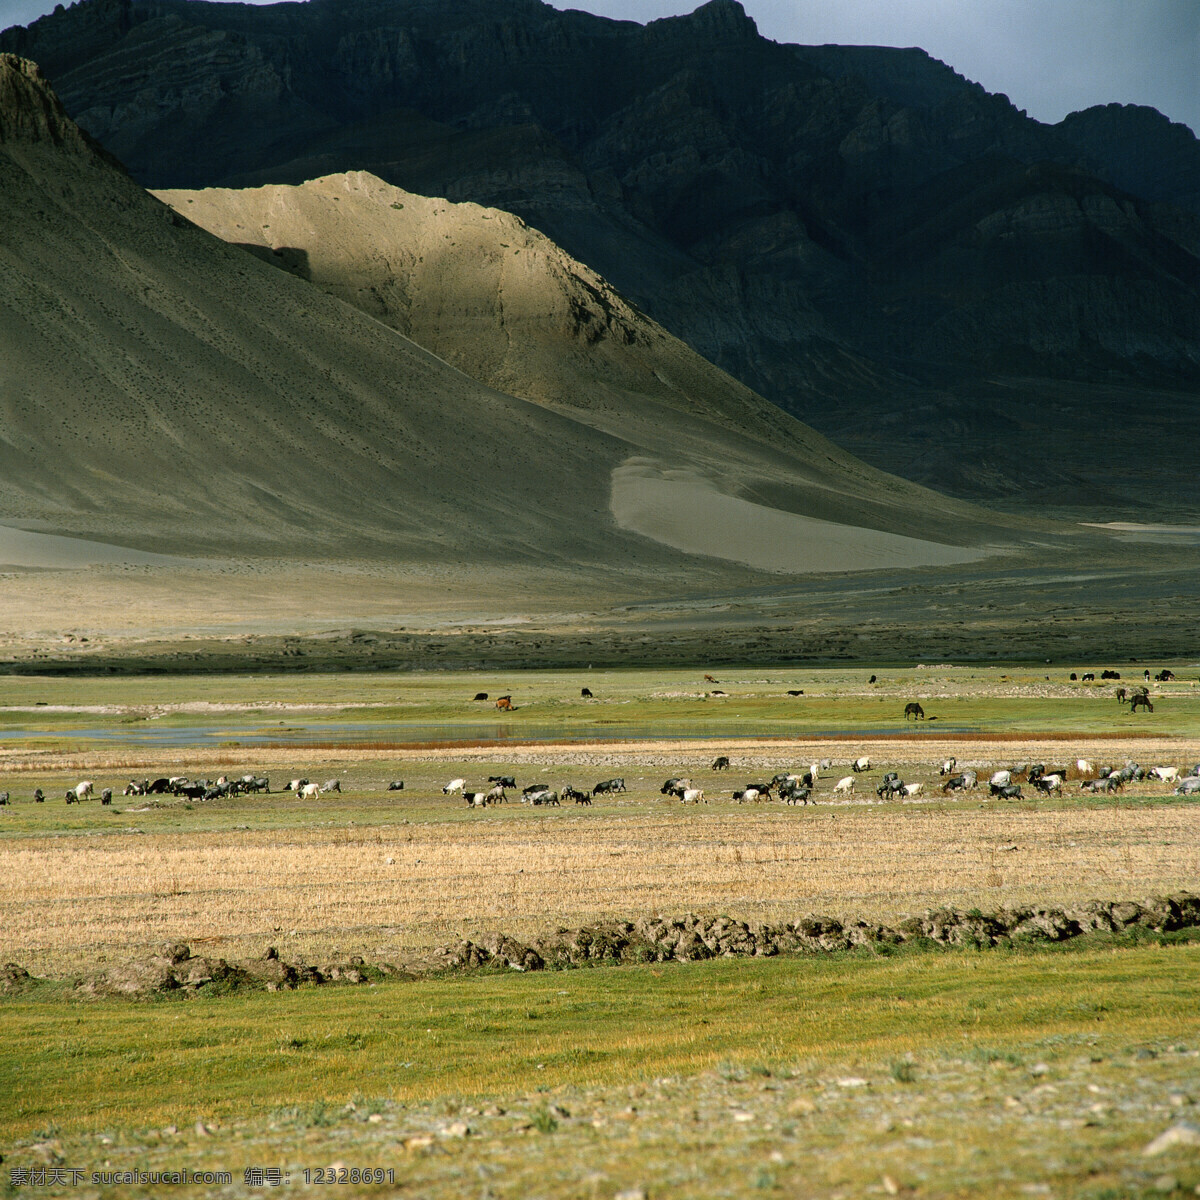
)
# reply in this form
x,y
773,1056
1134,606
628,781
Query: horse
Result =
x,y
914,710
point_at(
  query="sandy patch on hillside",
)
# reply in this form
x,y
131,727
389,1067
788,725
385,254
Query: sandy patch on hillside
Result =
x,y
21,548
685,510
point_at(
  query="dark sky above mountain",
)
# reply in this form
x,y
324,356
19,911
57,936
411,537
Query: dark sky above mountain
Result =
x,y
1050,57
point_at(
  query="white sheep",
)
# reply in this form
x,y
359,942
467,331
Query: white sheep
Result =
x,y
693,795
455,785
845,786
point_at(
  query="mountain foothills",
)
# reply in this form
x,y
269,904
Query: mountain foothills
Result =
x,y
946,287
166,390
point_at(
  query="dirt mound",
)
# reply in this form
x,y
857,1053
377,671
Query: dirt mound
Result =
x,y
174,969
690,938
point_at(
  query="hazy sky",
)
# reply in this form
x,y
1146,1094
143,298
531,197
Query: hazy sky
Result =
x,y
1050,56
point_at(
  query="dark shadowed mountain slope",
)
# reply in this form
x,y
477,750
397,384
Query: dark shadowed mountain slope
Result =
x,y
163,389
857,233
1140,150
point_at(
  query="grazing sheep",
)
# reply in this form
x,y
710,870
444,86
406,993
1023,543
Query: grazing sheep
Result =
x,y
105,796
83,790
571,793
455,785
495,795
1084,767
999,779
397,785
310,791
796,795
1166,774
609,785
39,797
586,693
1189,787
912,789
747,794
481,695
845,786
1010,791
693,796
332,785
720,763
508,781
861,764
3,797
475,799
947,768
1049,783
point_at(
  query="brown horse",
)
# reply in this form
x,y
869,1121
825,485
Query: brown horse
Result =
x,y
1142,699
505,704
914,710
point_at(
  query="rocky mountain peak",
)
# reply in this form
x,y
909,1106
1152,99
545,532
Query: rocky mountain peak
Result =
x,y
725,17
29,109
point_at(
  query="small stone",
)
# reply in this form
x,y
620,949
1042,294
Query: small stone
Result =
x,y
853,1081
743,1118
635,1193
419,1141
375,1118
1183,1134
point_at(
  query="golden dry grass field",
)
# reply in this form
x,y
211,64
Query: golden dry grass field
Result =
x,y
390,876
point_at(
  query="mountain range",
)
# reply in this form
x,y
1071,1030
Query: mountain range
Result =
x,y
1003,309
166,390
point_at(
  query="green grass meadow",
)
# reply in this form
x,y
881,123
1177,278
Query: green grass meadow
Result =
x,y
81,1064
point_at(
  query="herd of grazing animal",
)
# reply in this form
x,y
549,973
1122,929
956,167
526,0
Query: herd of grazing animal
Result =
x,y
792,787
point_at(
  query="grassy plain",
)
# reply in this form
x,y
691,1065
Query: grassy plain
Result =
x,y
953,1074
936,1073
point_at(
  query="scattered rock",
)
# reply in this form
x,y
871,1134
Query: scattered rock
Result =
x,y
1183,1134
